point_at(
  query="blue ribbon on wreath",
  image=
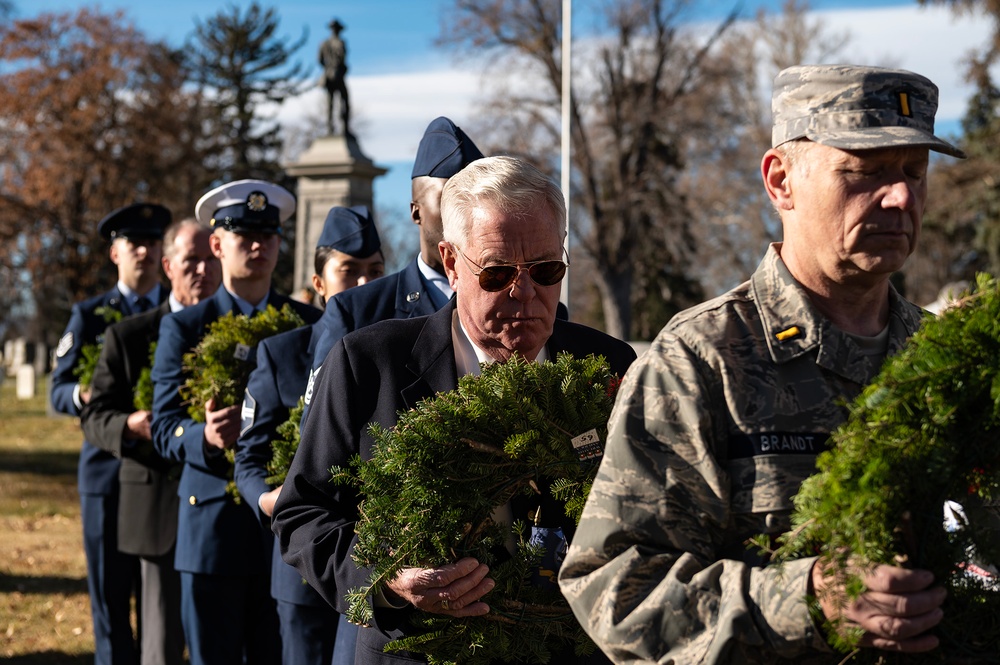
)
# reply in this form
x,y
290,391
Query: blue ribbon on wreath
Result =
x,y
553,540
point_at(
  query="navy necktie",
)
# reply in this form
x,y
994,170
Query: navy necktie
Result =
x,y
142,303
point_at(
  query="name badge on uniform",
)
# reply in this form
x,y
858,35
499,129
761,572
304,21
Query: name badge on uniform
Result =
x,y
742,446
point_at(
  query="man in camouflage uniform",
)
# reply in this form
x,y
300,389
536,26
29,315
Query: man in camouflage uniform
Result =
x,y
720,421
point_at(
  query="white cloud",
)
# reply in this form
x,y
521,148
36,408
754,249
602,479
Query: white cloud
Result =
x,y
393,110
928,40
932,41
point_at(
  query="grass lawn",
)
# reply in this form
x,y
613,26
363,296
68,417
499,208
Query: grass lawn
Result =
x,y
44,607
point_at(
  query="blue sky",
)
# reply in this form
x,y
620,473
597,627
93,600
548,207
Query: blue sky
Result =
x,y
384,36
399,80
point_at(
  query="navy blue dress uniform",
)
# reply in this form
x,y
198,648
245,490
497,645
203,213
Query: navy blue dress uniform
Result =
x,y
401,295
309,625
221,553
111,575
147,511
444,150
369,376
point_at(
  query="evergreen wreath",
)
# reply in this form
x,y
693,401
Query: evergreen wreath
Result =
x,y
926,431
219,366
440,473
142,397
90,353
283,448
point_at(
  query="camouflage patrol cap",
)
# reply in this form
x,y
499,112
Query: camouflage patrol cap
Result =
x,y
856,108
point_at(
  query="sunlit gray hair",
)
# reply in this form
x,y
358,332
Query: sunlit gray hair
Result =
x,y
170,235
503,184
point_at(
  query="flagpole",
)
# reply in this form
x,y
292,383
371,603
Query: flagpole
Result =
x,y
565,147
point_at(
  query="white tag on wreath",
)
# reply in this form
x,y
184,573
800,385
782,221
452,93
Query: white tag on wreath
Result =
x,y
242,352
587,445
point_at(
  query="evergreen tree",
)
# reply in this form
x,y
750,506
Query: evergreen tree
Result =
x,y
241,66
243,72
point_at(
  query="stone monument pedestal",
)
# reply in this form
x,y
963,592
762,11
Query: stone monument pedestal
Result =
x,y
331,172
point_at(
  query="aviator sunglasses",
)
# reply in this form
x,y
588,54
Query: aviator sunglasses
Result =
x,y
500,276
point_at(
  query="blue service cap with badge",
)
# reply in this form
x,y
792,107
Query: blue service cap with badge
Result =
x,y
351,231
139,220
246,206
444,150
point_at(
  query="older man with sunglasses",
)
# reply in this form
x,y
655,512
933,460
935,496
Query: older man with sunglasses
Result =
x,y
504,226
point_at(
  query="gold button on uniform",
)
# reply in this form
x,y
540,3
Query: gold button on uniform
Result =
x,y
179,430
192,500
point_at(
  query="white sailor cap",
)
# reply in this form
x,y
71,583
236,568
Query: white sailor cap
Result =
x,y
246,206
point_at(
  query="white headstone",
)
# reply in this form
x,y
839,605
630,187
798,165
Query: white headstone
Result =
x,y
19,354
25,382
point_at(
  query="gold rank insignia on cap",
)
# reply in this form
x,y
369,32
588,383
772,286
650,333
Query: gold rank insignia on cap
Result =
x,y
179,431
146,212
789,333
257,201
904,105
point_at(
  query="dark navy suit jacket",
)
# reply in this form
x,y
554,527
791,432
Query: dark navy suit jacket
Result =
x,y
98,470
369,376
214,534
273,390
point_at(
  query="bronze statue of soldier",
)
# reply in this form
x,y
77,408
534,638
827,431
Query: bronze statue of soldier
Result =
x,y
333,57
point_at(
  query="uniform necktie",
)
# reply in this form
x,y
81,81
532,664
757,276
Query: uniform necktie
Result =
x,y
142,303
